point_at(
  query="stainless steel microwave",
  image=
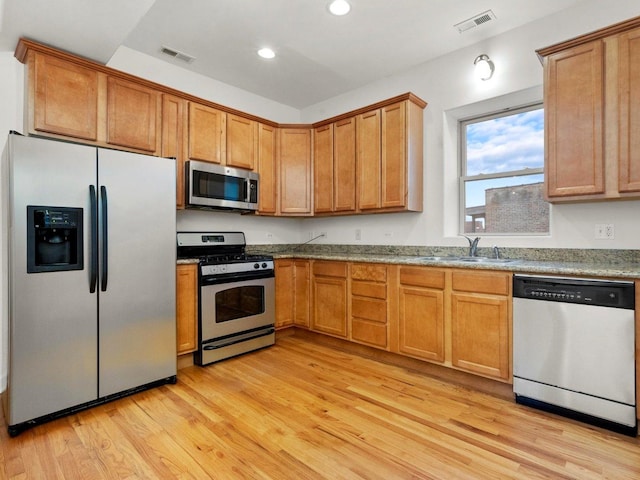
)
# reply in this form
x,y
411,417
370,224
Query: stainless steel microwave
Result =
x,y
209,185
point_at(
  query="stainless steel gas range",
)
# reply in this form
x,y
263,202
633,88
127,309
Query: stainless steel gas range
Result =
x,y
236,310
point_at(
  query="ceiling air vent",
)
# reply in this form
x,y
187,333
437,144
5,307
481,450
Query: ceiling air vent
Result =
x,y
475,21
177,54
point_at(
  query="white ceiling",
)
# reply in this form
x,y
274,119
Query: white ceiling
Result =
x,y
318,57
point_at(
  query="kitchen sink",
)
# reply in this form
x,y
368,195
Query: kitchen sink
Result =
x,y
467,259
487,260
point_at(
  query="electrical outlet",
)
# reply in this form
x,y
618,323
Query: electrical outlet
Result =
x,y
608,231
358,234
388,234
269,235
323,234
604,231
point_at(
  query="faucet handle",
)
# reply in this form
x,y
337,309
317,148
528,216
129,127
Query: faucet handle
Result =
x,y
496,251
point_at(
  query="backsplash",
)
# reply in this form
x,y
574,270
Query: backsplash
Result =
x,y
614,257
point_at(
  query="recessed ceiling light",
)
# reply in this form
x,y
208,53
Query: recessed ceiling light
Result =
x,y
266,53
339,7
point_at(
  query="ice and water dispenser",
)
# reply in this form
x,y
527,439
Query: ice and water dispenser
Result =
x,y
54,239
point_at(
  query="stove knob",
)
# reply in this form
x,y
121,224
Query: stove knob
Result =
x,y
257,265
264,265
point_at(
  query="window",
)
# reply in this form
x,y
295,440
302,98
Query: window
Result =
x,y
502,182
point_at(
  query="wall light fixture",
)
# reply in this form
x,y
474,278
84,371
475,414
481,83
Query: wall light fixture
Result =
x,y
484,67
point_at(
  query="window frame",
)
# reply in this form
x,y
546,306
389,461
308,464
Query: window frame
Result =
x,y
463,179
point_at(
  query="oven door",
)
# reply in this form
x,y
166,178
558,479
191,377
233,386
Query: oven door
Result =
x,y
235,307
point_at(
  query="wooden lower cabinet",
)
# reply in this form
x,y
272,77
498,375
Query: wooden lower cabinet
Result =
x,y
458,318
369,315
421,310
480,323
186,308
329,298
292,293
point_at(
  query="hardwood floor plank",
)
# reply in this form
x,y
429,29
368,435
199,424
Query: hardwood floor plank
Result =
x,y
302,410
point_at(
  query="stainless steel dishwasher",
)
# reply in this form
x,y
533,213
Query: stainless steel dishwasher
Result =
x,y
574,348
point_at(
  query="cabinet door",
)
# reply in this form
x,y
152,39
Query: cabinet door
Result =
x,y
480,334
302,282
368,160
574,135
323,169
285,292
329,294
421,313
294,168
344,165
173,121
133,115
187,308
241,142
629,111
66,98
206,133
267,191
394,156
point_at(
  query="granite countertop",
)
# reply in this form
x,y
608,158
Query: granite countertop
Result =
x,y
629,271
572,262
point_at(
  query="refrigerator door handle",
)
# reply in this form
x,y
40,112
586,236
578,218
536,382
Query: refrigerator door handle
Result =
x,y
105,239
93,272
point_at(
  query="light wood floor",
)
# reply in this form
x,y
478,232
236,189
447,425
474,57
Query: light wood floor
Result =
x,y
299,410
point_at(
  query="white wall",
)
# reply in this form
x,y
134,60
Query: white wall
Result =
x,y
451,91
447,84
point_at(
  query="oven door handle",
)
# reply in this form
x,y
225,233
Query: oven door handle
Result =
x,y
235,277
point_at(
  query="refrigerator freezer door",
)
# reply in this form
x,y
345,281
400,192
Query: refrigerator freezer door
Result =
x,y
137,329
52,318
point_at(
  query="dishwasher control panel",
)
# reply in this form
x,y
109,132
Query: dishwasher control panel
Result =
x,y
615,294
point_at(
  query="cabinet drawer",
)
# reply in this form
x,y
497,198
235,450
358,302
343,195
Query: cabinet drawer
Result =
x,y
330,269
374,273
367,289
481,282
369,332
369,309
422,277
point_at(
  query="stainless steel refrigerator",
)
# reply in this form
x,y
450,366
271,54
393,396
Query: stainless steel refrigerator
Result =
x,y
91,235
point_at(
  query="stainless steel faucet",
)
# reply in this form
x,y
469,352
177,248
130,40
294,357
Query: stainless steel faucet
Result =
x,y
473,246
496,252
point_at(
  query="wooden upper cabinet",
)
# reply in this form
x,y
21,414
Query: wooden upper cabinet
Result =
x,y
344,165
592,109
133,115
294,170
267,169
574,94
206,135
242,136
389,157
394,155
629,110
368,160
323,169
174,111
64,98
